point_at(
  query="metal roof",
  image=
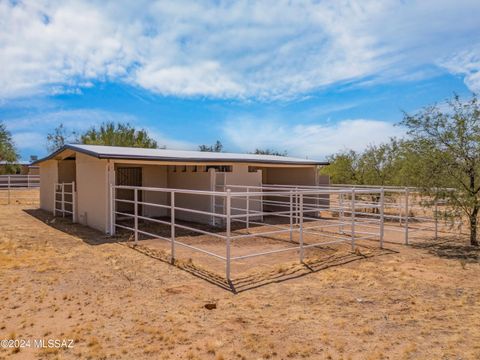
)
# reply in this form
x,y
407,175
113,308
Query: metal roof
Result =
x,y
131,153
20,162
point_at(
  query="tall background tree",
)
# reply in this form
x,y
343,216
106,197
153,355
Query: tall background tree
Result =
x,y
59,137
8,152
109,133
217,147
117,135
269,152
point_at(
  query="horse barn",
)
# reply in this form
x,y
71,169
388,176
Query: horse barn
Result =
x,y
91,170
228,206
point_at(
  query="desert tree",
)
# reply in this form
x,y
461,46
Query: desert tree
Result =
x,y
117,134
447,140
344,168
217,147
8,152
59,137
270,152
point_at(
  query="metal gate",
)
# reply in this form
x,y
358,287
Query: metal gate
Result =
x,y
64,200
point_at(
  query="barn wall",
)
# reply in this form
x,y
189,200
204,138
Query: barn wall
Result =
x,y
92,190
241,176
155,176
48,178
192,181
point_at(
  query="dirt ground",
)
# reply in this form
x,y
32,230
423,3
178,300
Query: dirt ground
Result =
x,y
63,281
20,196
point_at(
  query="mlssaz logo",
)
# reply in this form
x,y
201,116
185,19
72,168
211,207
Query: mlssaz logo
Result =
x,y
54,343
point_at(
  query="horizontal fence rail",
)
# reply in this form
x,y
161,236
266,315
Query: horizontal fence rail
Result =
x,y
19,181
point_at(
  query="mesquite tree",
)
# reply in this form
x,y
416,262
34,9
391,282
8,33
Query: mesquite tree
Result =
x,y
8,152
449,142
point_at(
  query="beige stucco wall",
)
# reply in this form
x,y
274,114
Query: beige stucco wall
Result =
x,y
92,192
48,178
192,181
241,176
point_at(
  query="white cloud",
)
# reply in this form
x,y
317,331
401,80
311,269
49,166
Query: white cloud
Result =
x,y
466,63
308,140
268,49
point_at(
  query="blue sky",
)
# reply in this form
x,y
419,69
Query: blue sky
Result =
x,y
308,77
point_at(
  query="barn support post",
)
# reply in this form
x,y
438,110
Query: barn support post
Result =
x,y
172,226
135,210
228,201
54,199
291,215
112,210
352,210
301,227
406,217
382,216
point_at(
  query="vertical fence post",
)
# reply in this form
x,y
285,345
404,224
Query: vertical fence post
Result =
x,y
342,214
63,199
352,215
296,206
436,216
113,210
406,216
248,209
291,215
301,228
8,192
382,216
228,229
135,211
172,226
74,213
55,199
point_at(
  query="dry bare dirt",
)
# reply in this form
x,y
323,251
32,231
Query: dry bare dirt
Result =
x,y
63,281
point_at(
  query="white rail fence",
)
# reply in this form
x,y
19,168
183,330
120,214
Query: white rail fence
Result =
x,y
293,213
19,189
65,200
19,181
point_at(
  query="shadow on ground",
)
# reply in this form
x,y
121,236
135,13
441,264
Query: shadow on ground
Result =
x,y
452,247
285,271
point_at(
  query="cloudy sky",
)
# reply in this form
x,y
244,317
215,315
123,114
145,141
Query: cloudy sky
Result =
x,y
308,77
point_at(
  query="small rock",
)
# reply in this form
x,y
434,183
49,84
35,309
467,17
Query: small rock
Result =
x,y
210,306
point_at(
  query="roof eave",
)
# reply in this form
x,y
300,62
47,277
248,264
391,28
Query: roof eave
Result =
x,y
156,158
